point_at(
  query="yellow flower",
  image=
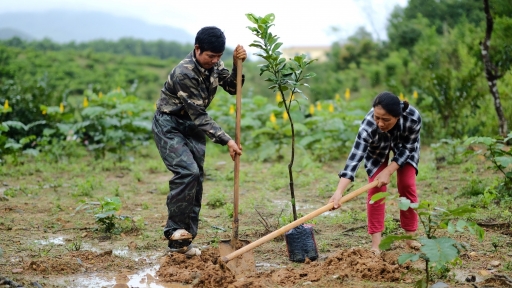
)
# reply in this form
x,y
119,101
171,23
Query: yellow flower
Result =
x,y
154,106
61,107
347,94
331,108
402,96
285,115
118,89
6,104
100,95
44,112
130,113
337,97
292,96
311,109
273,118
318,106
86,102
231,109
415,94
278,97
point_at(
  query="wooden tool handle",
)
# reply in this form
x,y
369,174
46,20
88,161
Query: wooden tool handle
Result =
x,y
296,223
234,236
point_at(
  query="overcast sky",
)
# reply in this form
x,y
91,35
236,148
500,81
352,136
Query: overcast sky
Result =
x,y
298,22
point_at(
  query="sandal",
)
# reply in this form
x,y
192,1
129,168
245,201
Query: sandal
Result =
x,y
181,234
189,251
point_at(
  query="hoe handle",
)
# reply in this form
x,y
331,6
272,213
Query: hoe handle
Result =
x,y
296,223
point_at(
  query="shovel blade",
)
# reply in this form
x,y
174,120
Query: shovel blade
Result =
x,y
242,265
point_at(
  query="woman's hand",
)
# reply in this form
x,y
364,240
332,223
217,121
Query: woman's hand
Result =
x,y
336,197
234,149
385,175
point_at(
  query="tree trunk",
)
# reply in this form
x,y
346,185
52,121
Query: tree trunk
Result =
x,y
491,72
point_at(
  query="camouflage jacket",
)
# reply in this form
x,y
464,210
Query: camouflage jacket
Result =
x,y
190,89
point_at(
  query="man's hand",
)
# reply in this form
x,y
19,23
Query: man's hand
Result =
x,y
239,53
234,149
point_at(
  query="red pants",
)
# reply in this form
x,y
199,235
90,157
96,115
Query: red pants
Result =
x,y
406,182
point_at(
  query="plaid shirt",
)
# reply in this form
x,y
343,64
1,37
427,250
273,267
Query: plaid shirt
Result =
x,y
373,145
190,89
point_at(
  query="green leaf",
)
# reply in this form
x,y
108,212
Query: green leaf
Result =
x,y
93,111
462,210
270,17
460,225
252,18
503,161
386,242
105,214
451,227
13,145
276,47
15,124
440,250
377,196
408,257
31,152
40,122
404,203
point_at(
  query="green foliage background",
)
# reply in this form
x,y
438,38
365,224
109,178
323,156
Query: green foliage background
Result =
x,y
432,52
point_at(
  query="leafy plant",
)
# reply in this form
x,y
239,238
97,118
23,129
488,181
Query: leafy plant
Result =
x,y
284,76
500,155
436,252
106,216
215,199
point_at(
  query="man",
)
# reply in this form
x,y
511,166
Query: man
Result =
x,y
179,128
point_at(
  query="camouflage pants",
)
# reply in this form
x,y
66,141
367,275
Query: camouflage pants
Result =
x,y
182,148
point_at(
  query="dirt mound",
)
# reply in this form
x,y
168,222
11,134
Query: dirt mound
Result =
x,y
341,267
202,271
80,261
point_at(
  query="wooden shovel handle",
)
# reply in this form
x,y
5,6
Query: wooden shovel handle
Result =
x,y
296,223
236,192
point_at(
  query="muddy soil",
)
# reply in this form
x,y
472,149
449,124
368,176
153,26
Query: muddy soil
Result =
x,y
354,264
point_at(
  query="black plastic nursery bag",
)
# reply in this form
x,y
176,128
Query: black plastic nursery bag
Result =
x,y
301,244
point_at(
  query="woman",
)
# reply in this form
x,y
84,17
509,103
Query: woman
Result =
x,y
391,125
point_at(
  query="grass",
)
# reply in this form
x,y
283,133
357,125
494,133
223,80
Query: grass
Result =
x,y
43,197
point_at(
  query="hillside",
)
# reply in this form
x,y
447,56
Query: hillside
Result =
x,y
66,26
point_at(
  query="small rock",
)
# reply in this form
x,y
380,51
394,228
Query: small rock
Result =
x,y
471,278
483,272
5,184
84,235
495,263
336,276
307,283
16,271
473,254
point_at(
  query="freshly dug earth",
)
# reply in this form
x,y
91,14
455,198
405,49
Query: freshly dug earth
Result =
x,y
343,266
